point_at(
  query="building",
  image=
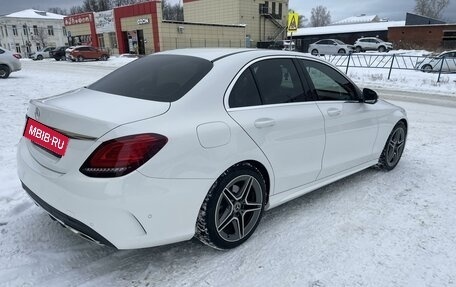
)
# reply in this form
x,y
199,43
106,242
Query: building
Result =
x,y
422,32
264,20
30,30
140,29
363,18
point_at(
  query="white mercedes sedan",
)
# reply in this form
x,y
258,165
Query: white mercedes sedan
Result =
x,y
199,143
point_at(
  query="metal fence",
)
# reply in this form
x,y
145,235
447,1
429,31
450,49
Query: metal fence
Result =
x,y
393,62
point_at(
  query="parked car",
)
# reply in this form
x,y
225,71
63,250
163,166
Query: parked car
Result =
x,y
82,53
283,45
9,62
445,61
372,44
58,53
41,54
200,142
330,46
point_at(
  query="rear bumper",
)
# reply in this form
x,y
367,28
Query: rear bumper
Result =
x,y
133,211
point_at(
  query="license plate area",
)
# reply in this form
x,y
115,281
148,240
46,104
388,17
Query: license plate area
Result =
x,y
47,138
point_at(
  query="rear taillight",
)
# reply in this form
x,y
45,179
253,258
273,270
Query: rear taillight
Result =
x,y
17,56
123,155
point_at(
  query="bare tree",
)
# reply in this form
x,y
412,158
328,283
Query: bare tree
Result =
x,y
302,21
431,8
42,36
320,16
172,12
58,10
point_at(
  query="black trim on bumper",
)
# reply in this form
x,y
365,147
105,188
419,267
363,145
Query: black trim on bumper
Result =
x,y
69,221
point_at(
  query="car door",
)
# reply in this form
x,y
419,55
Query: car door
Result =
x,y
449,62
351,126
269,101
327,47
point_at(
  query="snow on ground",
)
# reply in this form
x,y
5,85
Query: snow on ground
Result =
x,y
372,229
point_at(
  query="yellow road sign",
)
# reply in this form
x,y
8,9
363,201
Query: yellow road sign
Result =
x,y
292,22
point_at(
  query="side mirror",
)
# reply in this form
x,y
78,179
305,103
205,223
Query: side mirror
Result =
x,y
369,96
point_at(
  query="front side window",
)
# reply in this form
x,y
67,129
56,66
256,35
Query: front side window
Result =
x,y
329,84
278,81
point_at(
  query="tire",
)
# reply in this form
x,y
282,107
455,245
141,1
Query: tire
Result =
x,y
394,147
104,57
232,208
426,68
4,71
341,51
358,49
381,49
80,59
315,52
57,59
39,57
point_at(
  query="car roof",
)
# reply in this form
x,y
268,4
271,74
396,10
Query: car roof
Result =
x,y
214,54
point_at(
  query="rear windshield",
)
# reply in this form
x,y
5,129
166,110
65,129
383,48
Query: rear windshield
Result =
x,y
162,78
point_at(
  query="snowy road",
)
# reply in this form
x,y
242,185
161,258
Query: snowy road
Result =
x,y
371,229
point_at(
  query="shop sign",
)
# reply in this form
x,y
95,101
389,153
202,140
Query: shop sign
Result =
x,y
143,21
104,22
77,19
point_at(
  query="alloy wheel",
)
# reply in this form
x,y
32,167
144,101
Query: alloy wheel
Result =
x,y
395,147
238,208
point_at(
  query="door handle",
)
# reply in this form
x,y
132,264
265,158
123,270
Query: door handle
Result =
x,y
264,123
333,112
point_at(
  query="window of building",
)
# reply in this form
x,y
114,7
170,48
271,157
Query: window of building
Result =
x,y
64,31
35,29
50,30
25,30
38,46
6,31
14,30
278,81
18,48
1,28
329,84
279,15
244,92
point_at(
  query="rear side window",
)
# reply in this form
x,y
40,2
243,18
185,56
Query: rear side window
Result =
x,y
278,81
162,78
244,92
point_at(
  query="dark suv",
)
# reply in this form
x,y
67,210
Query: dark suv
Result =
x,y
58,53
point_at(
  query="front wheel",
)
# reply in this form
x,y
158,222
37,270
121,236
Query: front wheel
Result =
x,y
381,49
80,58
394,147
4,71
104,57
39,57
233,207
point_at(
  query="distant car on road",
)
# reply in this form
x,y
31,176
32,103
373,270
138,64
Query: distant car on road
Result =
x,y
41,54
433,64
9,62
372,44
82,53
58,53
283,45
330,46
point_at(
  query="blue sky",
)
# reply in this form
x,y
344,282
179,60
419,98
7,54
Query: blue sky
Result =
x,y
391,9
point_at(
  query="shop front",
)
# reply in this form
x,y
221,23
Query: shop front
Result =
x,y
137,28
81,29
